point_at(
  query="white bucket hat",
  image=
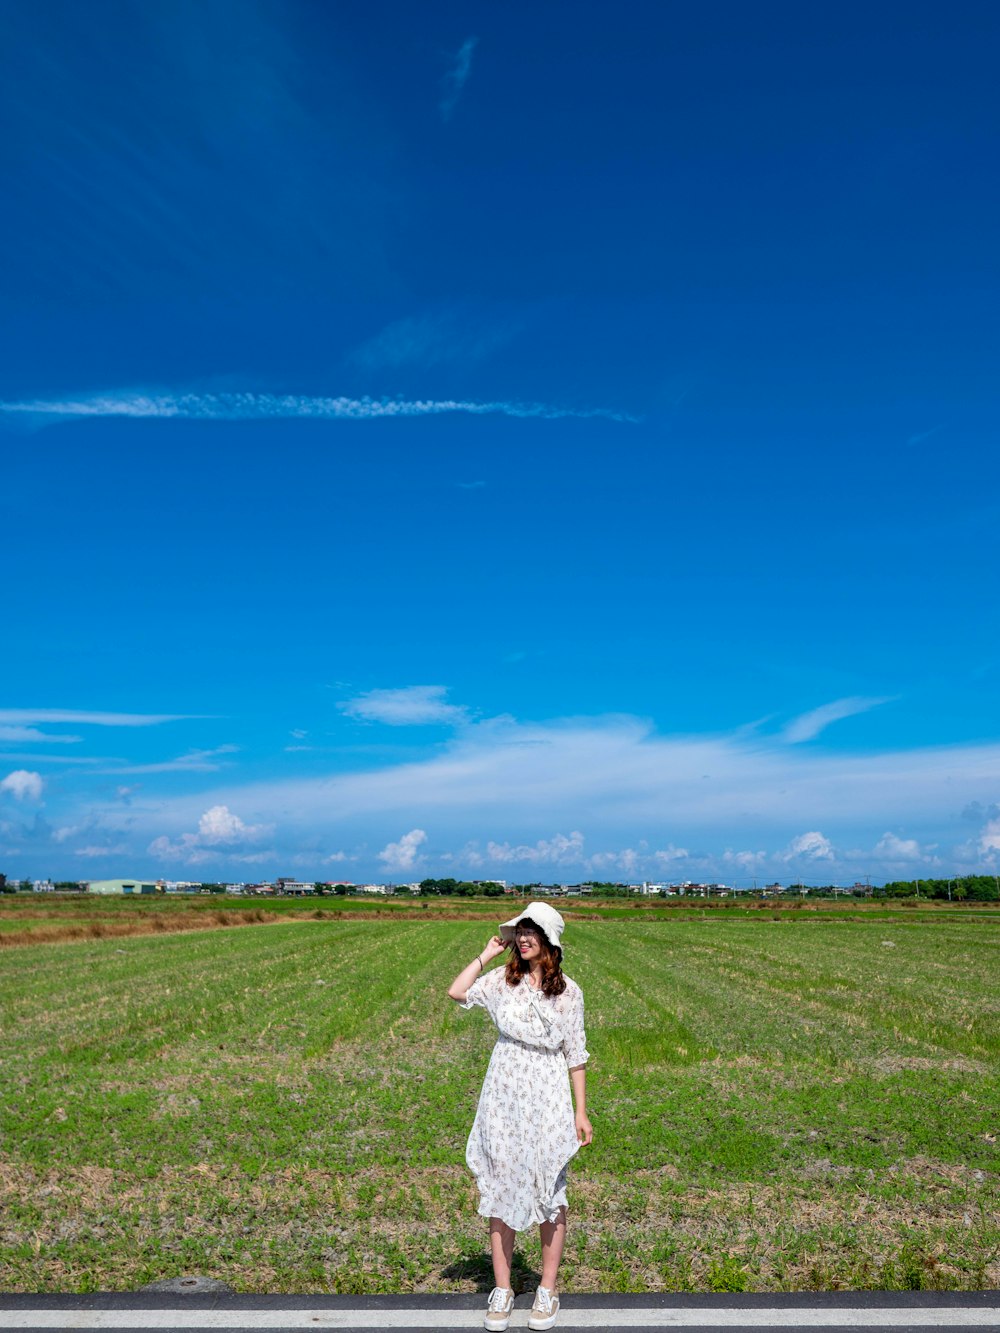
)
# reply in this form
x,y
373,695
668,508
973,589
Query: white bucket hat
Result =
x,y
546,918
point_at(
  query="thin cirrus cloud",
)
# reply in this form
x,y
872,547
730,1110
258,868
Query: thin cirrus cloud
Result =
x,y
32,736
438,338
76,716
195,761
614,781
457,77
413,705
807,725
270,407
594,794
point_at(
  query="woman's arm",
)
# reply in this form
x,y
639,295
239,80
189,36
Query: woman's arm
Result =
x,y
584,1129
459,988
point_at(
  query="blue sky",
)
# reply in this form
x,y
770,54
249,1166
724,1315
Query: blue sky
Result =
x,y
531,440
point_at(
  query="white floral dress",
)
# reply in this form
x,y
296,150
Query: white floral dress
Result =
x,y
524,1133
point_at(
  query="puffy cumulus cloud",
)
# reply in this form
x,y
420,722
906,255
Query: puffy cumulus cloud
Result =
x,y
402,855
989,839
23,785
220,825
975,812
808,846
666,855
219,830
891,848
744,860
558,850
605,863
413,705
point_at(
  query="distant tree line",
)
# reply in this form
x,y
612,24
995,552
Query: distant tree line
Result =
x,y
967,888
461,888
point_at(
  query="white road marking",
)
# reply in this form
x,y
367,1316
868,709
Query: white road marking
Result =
x,y
641,1317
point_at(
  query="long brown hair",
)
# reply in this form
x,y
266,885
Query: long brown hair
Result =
x,y
553,981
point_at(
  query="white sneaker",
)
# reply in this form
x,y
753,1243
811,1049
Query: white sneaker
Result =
x,y
498,1309
544,1311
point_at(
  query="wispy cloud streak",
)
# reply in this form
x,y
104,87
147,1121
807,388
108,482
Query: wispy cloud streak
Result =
x,y
807,725
266,406
25,716
457,77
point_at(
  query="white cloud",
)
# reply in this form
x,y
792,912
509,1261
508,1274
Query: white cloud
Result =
x,y
272,407
671,853
402,855
431,340
23,785
414,705
93,852
891,848
27,716
807,725
810,846
989,838
557,850
611,779
457,77
220,825
32,736
744,860
195,761
217,827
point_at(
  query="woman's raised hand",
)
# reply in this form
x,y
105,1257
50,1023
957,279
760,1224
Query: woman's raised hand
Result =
x,y
493,950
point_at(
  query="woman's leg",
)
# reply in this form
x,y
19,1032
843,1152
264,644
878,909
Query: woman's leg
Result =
x,y
502,1249
553,1240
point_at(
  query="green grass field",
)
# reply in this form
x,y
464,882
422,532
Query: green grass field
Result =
x,y
781,1101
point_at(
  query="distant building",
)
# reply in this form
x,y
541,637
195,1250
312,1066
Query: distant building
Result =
x,y
295,888
109,886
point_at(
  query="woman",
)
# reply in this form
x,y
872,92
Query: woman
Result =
x,y
525,1131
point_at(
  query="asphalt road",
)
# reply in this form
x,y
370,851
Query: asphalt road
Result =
x,y
800,1312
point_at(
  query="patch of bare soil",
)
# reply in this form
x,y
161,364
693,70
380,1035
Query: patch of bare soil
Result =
x,y
166,924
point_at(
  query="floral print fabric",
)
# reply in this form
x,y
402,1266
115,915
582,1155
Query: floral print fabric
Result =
x,y
524,1133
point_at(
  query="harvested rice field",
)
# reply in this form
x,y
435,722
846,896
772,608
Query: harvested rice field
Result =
x,y
781,1101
